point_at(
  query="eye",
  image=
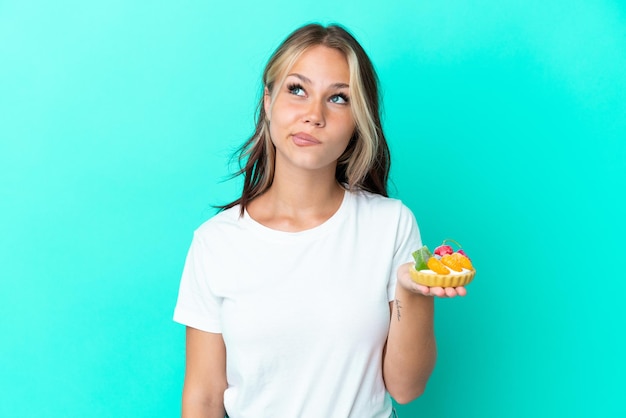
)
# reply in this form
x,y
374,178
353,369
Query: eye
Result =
x,y
296,89
339,99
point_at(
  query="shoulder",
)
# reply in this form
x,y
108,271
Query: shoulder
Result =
x,y
378,205
389,221
222,222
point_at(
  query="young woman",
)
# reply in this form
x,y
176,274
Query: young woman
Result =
x,y
296,296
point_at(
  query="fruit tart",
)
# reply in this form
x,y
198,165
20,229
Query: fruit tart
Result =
x,y
445,268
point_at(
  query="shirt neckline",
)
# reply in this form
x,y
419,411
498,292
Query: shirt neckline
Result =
x,y
322,228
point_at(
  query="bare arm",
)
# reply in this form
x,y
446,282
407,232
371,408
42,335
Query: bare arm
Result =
x,y
411,351
205,375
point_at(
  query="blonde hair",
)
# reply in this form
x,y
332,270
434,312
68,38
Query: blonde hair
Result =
x,y
365,163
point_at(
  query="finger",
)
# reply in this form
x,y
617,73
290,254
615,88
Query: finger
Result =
x,y
461,291
437,291
421,289
450,292
424,290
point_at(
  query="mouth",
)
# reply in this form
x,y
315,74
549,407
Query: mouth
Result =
x,y
303,139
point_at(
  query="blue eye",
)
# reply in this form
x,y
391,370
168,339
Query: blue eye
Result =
x,y
339,99
296,89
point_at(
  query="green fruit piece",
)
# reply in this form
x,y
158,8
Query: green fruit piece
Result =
x,y
421,257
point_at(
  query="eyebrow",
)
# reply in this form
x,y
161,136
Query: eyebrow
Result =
x,y
308,81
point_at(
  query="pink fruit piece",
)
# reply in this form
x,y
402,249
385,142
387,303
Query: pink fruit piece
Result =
x,y
462,253
443,250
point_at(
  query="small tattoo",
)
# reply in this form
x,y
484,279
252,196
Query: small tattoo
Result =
x,y
398,307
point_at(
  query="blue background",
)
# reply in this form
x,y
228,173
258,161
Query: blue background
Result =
x,y
507,123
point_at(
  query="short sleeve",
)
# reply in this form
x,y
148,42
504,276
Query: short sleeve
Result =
x,y
408,239
197,306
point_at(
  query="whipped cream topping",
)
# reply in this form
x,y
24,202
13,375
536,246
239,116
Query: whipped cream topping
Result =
x,y
452,272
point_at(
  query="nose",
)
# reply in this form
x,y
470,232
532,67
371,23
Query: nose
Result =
x,y
314,114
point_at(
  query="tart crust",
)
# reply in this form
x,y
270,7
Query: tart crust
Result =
x,y
441,280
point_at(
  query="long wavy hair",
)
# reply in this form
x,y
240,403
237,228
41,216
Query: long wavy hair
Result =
x,y
365,163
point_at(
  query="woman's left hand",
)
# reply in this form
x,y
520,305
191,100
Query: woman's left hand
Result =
x,y
404,280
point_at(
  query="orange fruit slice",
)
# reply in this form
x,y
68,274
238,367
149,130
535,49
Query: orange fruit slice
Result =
x,y
464,261
437,266
453,262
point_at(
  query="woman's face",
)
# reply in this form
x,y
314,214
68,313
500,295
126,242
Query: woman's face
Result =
x,y
310,118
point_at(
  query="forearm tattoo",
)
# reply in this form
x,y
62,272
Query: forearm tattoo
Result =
x,y
398,308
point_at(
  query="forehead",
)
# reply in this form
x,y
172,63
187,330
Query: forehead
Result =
x,y
323,64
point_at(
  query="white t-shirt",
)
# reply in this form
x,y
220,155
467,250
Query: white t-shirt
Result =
x,y
304,315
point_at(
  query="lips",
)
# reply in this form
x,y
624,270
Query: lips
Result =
x,y
303,139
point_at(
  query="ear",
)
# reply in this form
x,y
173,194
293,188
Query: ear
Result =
x,y
267,102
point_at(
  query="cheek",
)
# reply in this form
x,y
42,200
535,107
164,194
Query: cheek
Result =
x,y
280,126
274,131
342,144
348,128
282,115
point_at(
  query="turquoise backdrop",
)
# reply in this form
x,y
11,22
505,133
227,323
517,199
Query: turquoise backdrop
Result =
x,y
507,124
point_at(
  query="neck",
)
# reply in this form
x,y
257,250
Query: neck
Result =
x,y
308,192
298,201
